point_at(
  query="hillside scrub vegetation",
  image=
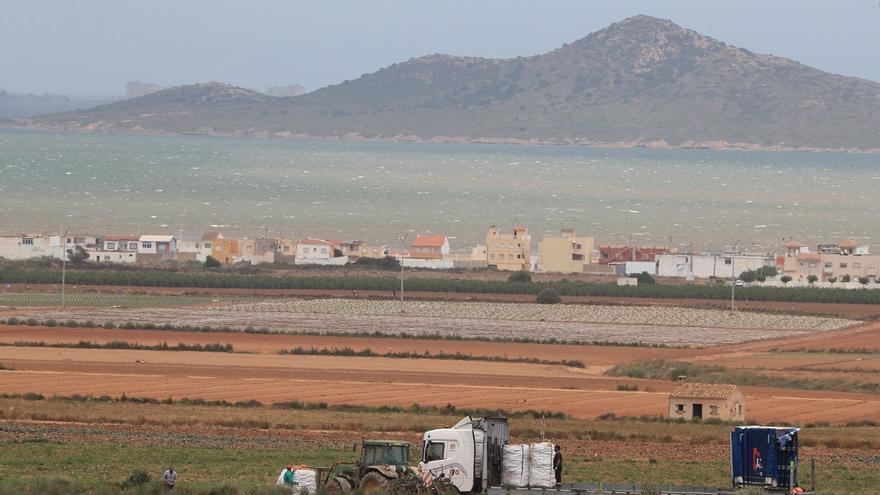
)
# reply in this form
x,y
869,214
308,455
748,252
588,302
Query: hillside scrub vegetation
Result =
x,y
660,369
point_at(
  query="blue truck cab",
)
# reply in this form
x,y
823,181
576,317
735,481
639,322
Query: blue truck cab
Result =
x,y
765,456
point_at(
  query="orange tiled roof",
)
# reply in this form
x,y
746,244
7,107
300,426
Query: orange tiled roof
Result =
x,y
429,241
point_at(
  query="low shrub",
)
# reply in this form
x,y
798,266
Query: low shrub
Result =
x,y
548,296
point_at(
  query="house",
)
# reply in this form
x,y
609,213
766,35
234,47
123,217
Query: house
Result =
x,y
707,401
255,251
373,251
207,245
845,261
510,252
156,247
115,249
286,251
121,243
623,253
225,250
565,253
25,246
429,247
317,252
707,265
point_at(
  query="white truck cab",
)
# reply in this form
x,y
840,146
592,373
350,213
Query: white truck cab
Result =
x,y
468,454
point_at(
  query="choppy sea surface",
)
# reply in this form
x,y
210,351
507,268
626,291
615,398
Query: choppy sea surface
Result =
x,y
374,191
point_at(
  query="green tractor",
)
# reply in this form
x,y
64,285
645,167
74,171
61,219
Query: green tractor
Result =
x,y
383,467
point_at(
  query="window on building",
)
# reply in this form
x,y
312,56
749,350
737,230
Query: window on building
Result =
x,y
857,266
147,245
111,245
132,245
843,265
679,408
713,410
323,250
728,260
829,265
197,245
812,265
27,241
207,245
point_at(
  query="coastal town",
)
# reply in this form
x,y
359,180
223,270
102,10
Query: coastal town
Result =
x,y
845,264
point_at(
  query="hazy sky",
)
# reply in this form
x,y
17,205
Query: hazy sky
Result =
x,y
92,47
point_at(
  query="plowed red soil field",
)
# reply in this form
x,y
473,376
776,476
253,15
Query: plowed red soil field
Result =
x,y
380,381
273,343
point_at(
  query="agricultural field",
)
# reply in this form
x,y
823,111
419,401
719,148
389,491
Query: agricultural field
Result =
x,y
103,300
150,408
245,447
657,325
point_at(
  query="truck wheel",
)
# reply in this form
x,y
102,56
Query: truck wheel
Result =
x,y
337,485
374,482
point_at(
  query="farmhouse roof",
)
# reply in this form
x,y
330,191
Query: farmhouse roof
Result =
x,y
429,241
703,391
121,238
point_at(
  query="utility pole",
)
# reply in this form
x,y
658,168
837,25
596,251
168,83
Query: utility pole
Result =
x,y
733,277
63,242
402,241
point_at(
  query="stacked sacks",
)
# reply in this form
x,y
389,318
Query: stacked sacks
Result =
x,y
541,474
307,481
515,461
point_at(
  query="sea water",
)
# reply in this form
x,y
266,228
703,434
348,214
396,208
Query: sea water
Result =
x,y
374,191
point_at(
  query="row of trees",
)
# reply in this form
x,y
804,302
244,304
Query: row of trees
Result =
x,y
159,278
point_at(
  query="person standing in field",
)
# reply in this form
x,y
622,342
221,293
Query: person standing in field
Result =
x,y
557,464
170,477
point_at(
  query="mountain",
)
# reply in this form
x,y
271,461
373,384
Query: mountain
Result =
x,y
641,81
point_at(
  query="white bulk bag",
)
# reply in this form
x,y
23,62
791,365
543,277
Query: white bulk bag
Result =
x,y
515,466
541,474
307,481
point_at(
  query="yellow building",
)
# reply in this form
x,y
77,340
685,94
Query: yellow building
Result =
x,y
564,253
225,250
707,401
511,252
286,250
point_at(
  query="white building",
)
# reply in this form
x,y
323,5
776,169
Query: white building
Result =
x,y
115,249
710,265
317,252
26,246
157,246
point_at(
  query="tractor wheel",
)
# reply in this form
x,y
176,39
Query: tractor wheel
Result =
x,y
374,482
337,485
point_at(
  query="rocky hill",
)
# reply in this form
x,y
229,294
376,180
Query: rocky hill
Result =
x,y
640,82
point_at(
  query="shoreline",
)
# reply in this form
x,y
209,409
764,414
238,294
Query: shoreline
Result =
x,y
715,145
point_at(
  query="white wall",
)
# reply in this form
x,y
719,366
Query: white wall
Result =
x,y
340,261
432,264
707,265
12,248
